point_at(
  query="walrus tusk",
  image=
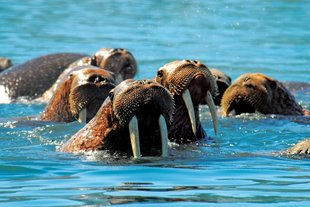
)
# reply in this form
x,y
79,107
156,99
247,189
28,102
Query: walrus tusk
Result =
x,y
164,136
134,137
212,109
82,116
190,108
118,78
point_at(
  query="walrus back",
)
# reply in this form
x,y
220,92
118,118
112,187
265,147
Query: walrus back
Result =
x,y
32,78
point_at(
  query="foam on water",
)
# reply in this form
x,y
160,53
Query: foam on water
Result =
x,y
4,96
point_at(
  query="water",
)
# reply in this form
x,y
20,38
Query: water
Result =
x,y
272,37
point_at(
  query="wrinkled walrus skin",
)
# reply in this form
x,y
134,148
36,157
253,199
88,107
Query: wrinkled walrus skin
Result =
x,y
256,92
117,60
85,89
188,77
146,101
32,78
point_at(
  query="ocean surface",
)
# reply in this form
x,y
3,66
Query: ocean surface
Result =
x,y
236,168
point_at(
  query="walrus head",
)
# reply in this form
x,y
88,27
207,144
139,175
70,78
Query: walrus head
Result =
x,y
80,96
301,148
118,60
133,118
256,92
191,84
5,63
223,81
89,89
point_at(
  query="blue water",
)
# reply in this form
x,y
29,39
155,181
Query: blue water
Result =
x,y
237,168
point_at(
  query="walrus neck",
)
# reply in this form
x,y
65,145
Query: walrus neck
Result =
x,y
58,109
283,102
180,130
93,136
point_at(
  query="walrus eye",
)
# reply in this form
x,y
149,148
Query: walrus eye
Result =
x,y
93,60
273,84
111,94
160,73
127,66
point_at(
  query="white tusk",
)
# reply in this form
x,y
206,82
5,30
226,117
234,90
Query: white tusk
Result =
x,y
82,116
233,112
119,78
190,108
212,109
134,137
164,135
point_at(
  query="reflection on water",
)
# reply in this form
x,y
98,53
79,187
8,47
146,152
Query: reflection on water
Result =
x,y
236,167
231,181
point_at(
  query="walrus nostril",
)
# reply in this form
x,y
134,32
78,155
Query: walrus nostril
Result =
x,y
93,60
160,73
246,79
96,79
143,82
127,66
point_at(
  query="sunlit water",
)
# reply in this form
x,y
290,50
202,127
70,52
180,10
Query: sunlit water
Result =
x,y
236,167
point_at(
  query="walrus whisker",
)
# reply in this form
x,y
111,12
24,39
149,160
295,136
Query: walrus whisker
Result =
x,y
212,109
82,116
190,108
134,137
163,135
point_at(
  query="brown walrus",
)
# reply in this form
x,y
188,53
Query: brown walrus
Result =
x,y
256,92
35,76
4,63
80,96
301,148
133,117
119,61
191,84
223,81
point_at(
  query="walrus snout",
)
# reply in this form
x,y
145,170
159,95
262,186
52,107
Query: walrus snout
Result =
x,y
131,96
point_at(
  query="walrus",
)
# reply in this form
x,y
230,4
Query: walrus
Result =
x,y
223,81
132,120
256,92
32,78
80,96
117,60
301,148
5,63
191,84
